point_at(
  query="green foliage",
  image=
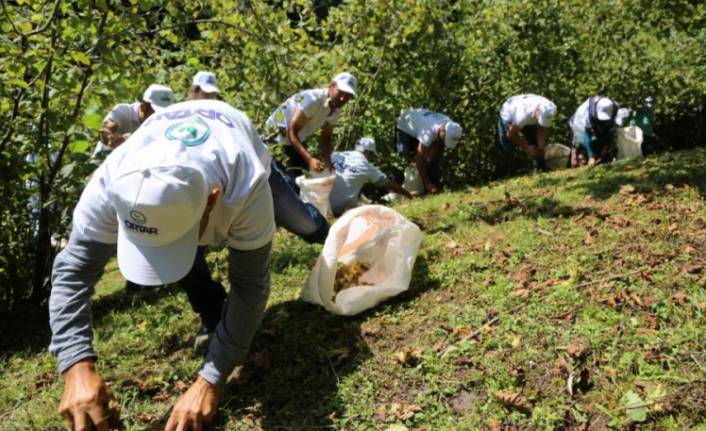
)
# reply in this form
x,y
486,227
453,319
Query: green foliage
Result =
x,y
65,64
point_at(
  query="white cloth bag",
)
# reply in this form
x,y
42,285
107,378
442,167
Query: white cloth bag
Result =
x,y
317,190
412,182
629,142
376,236
556,156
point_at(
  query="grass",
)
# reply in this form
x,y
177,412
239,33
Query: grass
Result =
x,y
569,300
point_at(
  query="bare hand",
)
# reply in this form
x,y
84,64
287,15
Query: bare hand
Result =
x,y
87,399
591,162
414,194
315,165
431,188
195,408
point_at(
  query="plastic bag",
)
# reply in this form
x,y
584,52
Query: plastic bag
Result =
x,y
412,182
556,156
629,142
412,179
377,242
316,190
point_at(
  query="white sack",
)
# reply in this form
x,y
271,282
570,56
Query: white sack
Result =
x,y
556,156
316,190
629,142
376,236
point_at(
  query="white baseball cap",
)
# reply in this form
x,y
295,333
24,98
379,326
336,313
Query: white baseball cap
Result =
x,y
346,82
159,200
547,112
604,109
364,144
206,81
453,134
158,96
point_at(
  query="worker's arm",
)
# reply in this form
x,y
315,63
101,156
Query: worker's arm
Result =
x,y
325,145
295,125
395,187
422,162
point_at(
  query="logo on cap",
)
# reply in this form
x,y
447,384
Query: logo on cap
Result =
x,y
138,217
190,133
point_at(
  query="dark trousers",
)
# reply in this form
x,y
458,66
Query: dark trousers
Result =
x,y
504,148
207,296
406,146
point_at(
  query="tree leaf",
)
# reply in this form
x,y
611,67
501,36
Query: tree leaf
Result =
x,y
634,407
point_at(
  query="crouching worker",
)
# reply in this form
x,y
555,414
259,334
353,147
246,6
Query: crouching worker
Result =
x,y
524,122
192,171
421,137
593,127
354,169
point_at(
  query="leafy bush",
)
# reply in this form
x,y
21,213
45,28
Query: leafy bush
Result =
x,y
65,64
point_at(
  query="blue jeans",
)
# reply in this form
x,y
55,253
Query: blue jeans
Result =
x,y
504,147
291,213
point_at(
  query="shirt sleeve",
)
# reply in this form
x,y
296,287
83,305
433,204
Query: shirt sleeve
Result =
x,y
119,114
375,175
76,271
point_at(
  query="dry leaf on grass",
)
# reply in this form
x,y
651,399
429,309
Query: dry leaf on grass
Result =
x,y
408,356
513,399
521,293
680,298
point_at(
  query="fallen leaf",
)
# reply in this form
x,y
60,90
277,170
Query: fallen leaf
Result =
x,y
513,399
575,350
495,425
515,341
522,293
680,298
408,356
627,189
634,407
451,244
672,228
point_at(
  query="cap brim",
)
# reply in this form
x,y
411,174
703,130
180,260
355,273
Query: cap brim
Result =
x,y
209,88
152,266
158,108
345,88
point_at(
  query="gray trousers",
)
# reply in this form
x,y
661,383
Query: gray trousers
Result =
x,y
80,265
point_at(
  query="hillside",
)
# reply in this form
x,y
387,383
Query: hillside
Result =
x,y
568,300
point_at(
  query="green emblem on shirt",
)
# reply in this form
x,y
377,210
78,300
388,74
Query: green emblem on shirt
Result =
x,y
192,132
138,217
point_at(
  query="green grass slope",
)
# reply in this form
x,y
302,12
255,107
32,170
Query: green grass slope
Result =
x,y
569,300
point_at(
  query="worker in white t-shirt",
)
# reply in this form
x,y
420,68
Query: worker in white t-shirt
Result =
x,y
524,122
354,170
422,136
300,116
204,86
593,126
125,118
191,175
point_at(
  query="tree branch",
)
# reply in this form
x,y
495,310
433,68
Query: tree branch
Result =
x,y
46,24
